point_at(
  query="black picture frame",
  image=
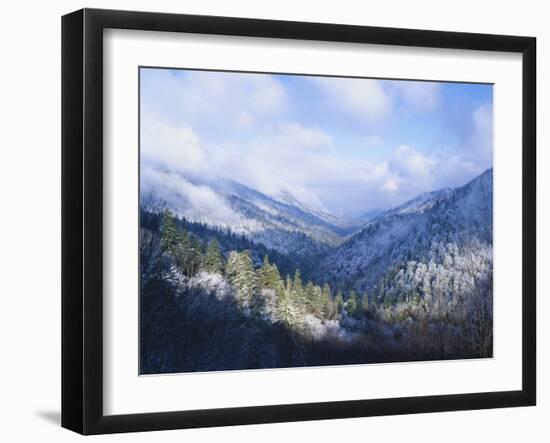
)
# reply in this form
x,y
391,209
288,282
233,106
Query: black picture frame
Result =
x,y
82,218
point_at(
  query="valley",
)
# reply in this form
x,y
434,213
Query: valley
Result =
x,y
408,283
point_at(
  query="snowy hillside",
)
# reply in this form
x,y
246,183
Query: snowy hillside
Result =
x,y
415,283
435,229
282,223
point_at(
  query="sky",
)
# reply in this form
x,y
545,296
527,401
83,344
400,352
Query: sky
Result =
x,y
343,145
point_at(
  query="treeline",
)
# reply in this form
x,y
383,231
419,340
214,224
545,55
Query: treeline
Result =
x,y
208,302
151,218
261,290
251,317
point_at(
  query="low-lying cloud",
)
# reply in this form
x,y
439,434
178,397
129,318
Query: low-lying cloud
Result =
x,y
239,128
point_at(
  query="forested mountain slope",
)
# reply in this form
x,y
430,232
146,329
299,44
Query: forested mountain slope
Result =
x,y
283,223
415,283
434,229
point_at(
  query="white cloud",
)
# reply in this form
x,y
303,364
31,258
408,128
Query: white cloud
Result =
x,y
481,141
196,202
410,163
363,98
248,136
291,159
423,96
451,171
171,148
373,100
305,138
285,160
408,173
244,120
301,161
210,92
390,185
267,94
204,99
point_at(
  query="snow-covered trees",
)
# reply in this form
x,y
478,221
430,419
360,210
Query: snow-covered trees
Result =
x,y
418,231
339,302
351,304
442,293
364,304
185,250
213,259
240,273
415,283
171,236
288,311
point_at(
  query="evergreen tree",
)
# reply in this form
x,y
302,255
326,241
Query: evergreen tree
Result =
x,y
339,302
194,256
232,265
309,296
181,252
327,307
240,273
297,288
275,280
288,310
268,277
213,259
185,249
170,233
365,303
326,291
317,302
265,274
351,304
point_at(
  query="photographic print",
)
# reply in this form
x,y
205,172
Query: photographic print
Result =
x,y
297,220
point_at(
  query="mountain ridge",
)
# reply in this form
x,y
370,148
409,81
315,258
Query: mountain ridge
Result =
x,y
285,225
456,219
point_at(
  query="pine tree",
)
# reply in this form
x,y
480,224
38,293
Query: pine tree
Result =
x,y
264,274
309,296
288,312
232,266
181,252
339,302
288,287
326,291
170,233
297,288
241,275
327,307
365,303
194,258
275,280
317,301
351,304
185,249
213,259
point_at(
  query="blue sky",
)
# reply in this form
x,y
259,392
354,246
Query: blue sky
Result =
x,y
341,144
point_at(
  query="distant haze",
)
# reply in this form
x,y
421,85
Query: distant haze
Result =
x,y
346,146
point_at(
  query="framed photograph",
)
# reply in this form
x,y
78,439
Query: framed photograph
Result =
x,y
269,221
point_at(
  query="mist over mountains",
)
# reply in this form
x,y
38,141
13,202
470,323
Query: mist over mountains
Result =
x,y
357,250
290,286
428,229
284,220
